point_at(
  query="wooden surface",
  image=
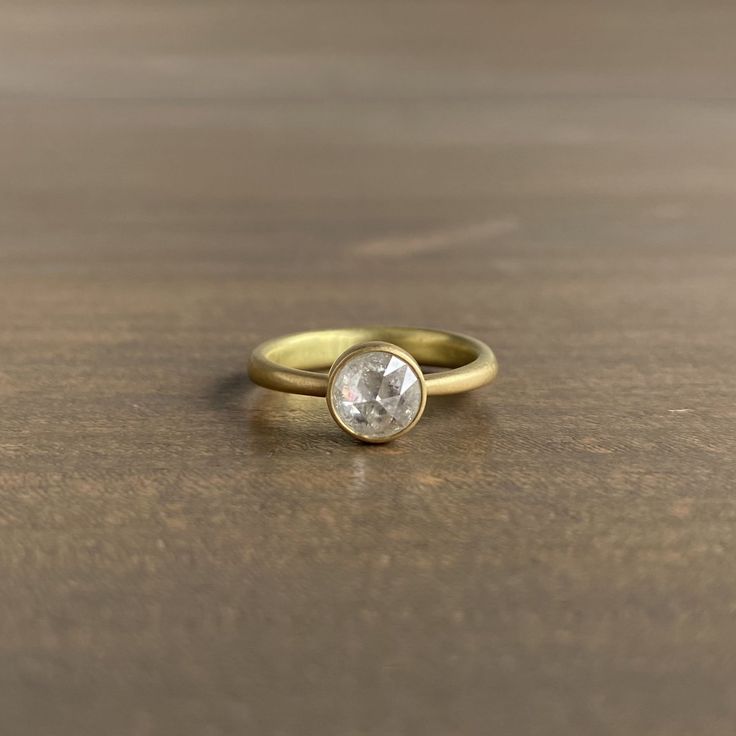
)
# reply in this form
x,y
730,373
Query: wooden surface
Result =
x,y
183,554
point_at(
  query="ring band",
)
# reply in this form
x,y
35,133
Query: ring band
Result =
x,y
375,389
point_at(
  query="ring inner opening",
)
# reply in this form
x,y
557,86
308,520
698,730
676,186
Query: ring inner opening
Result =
x,y
318,350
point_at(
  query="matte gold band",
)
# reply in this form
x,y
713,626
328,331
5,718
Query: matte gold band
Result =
x,y
292,363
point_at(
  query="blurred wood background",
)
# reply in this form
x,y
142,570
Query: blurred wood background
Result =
x,y
184,554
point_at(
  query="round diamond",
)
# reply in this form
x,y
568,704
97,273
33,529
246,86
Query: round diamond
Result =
x,y
376,394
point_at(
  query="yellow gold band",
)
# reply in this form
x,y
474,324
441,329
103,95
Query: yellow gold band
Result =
x,y
291,363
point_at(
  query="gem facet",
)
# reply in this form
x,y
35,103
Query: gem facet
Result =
x,y
376,394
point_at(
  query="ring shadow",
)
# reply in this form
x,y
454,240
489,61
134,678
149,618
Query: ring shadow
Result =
x,y
272,419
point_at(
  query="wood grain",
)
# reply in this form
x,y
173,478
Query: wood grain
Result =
x,y
182,553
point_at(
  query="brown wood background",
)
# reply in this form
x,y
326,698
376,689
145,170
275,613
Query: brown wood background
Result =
x,y
184,554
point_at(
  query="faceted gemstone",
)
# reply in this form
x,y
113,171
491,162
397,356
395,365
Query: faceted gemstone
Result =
x,y
376,394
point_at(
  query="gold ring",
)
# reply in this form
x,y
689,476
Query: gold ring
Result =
x,y
375,388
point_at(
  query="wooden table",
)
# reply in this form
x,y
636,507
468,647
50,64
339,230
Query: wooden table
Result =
x,y
182,553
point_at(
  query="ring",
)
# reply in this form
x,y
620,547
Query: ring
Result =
x,y
375,388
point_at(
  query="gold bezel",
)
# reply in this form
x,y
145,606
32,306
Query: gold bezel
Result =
x,y
375,347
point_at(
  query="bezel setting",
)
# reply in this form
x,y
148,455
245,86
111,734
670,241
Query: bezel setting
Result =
x,y
363,349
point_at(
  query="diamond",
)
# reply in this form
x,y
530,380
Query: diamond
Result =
x,y
376,394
